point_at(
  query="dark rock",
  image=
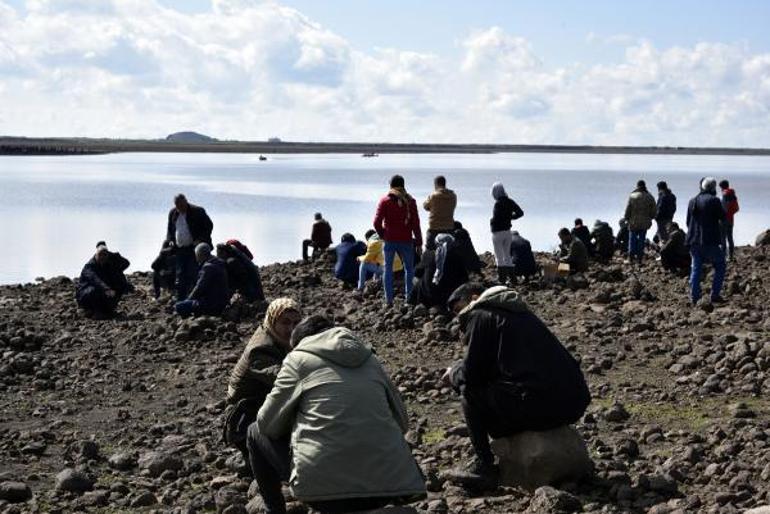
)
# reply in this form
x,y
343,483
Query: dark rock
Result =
x,y
15,492
548,500
74,480
157,462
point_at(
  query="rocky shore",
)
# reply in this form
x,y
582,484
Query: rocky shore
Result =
x,y
125,415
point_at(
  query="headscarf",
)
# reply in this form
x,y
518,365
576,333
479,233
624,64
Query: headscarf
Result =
x,y
498,191
442,248
275,310
403,198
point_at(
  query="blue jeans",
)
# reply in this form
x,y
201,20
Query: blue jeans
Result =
x,y
636,239
186,272
709,254
406,252
186,308
365,269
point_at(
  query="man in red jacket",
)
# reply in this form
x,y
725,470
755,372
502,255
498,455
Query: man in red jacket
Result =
x,y
397,222
730,205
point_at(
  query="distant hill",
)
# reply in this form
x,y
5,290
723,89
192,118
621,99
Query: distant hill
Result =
x,y
189,137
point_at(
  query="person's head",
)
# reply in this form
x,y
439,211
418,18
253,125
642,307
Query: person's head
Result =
x,y
515,233
724,184
458,225
202,252
347,237
578,222
672,226
100,243
623,222
369,233
310,326
565,235
662,186
439,182
180,202
396,181
498,191
223,251
641,184
102,254
282,316
318,216
709,185
167,244
464,295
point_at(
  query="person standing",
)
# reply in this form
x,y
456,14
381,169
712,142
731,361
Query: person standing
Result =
x,y
320,237
730,205
640,211
504,211
705,217
188,226
397,222
666,209
441,206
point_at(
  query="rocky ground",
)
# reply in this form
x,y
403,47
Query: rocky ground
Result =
x,y
125,415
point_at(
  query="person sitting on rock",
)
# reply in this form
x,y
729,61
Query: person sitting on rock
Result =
x,y
581,232
332,427
211,293
523,259
467,251
348,251
621,241
242,274
102,283
674,255
572,251
439,273
253,376
441,206
516,376
164,269
320,238
603,241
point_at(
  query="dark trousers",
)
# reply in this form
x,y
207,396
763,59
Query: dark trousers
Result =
x,y
662,234
186,272
307,244
728,246
93,299
271,464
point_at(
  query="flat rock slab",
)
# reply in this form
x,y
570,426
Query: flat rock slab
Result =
x,y
535,459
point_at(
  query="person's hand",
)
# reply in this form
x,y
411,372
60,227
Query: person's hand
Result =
x,y
110,293
446,378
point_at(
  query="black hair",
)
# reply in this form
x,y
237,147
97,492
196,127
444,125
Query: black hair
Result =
x,y
318,216
311,325
396,181
347,237
101,243
724,184
370,233
662,185
641,184
180,196
439,181
578,222
564,231
465,293
458,225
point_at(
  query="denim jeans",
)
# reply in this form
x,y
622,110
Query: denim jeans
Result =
x,y
365,269
186,308
714,255
404,250
186,271
636,240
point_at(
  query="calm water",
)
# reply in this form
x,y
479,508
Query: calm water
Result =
x,y
54,209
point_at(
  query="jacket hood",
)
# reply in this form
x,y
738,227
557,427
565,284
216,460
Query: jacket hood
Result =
x,y
498,297
338,345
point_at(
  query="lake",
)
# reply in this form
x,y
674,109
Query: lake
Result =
x,y
53,210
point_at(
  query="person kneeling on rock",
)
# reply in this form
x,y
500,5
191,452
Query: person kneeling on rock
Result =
x,y
242,274
102,282
253,376
211,293
516,376
333,428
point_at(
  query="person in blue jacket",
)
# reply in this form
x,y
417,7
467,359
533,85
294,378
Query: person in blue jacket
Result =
x,y
211,293
705,217
346,268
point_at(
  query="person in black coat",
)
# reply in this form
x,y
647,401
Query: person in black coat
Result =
x,y
623,235
164,269
347,267
466,250
603,240
705,217
242,274
516,376
674,255
188,225
524,264
102,282
439,273
581,232
211,293
666,209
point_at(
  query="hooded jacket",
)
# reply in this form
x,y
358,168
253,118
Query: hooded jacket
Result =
x,y
730,204
666,206
640,210
398,221
211,291
524,263
346,422
604,240
441,206
104,277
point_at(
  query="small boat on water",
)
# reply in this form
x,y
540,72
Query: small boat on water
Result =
x,y
262,158
370,154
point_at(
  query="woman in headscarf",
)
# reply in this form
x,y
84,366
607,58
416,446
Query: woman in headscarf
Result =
x,y
253,376
503,212
439,273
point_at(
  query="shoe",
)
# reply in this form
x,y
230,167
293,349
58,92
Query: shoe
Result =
x,y
476,476
718,299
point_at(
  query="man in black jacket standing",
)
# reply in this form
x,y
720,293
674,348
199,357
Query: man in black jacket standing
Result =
x,y
666,210
188,226
516,375
705,216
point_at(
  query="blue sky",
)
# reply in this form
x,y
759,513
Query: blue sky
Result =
x,y
597,72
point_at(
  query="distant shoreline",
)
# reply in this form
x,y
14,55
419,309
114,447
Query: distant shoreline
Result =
x,y
21,146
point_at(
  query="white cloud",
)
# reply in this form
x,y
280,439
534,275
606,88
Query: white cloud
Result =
x,y
250,70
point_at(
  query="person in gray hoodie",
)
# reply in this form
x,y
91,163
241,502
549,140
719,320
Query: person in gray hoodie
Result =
x,y
333,428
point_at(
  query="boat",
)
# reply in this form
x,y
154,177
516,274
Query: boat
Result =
x,y
370,154
262,158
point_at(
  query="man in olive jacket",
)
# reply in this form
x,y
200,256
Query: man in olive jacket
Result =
x,y
640,211
441,206
333,427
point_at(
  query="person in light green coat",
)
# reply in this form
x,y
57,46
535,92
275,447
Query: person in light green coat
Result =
x,y
333,427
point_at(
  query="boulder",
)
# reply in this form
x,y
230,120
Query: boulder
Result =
x,y
15,492
765,509
74,480
763,239
548,500
535,459
157,462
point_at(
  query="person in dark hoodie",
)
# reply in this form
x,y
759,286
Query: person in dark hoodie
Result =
x,y
603,240
440,272
523,259
504,211
102,283
347,266
705,216
242,274
731,207
164,269
581,232
188,225
674,255
516,376
666,206
623,236
465,248
211,293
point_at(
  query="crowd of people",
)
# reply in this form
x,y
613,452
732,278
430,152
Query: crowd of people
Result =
x,y
310,404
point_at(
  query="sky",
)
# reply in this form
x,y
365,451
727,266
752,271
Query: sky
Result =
x,y
682,73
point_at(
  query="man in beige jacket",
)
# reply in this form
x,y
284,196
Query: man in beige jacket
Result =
x,y
441,206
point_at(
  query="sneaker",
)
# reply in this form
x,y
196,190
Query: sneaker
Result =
x,y
476,476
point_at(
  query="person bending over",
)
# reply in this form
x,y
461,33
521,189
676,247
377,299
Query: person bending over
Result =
x,y
439,273
572,251
102,283
523,259
242,274
603,240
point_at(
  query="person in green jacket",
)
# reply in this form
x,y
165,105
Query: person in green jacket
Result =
x,y
333,427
